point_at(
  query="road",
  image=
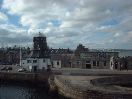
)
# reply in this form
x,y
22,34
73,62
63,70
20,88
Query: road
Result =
x,y
77,71
74,71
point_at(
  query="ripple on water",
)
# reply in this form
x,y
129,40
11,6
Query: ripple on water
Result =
x,y
8,91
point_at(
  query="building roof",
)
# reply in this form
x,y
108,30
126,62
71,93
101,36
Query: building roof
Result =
x,y
61,51
61,56
39,54
40,35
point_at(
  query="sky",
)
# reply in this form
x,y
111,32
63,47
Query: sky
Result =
x,y
67,23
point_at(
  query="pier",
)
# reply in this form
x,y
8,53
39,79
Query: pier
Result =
x,y
105,84
25,77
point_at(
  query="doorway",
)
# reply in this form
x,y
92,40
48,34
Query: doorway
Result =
x,y
34,68
88,66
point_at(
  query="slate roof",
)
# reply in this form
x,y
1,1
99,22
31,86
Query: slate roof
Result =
x,y
61,51
39,54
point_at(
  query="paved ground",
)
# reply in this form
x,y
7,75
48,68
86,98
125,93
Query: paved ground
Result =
x,y
83,83
14,68
76,71
73,71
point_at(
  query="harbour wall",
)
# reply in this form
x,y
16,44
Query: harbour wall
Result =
x,y
63,87
93,92
25,77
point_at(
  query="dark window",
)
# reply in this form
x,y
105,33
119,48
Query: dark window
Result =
x,y
104,63
87,61
70,64
44,60
94,63
34,61
57,63
97,63
88,66
78,62
111,63
28,61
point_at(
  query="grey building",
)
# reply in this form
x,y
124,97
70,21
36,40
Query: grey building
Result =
x,y
84,58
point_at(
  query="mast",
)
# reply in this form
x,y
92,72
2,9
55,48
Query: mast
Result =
x,y
20,56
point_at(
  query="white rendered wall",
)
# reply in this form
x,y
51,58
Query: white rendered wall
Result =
x,y
55,65
40,63
112,63
24,63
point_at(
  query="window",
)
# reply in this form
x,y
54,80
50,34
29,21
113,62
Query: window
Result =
x,y
58,63
78,62
87,61
70,63
104,63
97,63
52,63
44,60
94,63
34,61
28,61
111,63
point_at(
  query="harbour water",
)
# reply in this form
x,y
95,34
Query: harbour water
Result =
x,y
14,91
123,53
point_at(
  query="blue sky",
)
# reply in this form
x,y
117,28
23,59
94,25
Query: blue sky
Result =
x,y
66,23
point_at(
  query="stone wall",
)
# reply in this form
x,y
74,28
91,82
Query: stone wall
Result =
x,y
116,80
64,88
27,77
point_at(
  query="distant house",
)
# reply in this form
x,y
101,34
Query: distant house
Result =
x,y
9,56
60,57
122,63
83,58
129,60
97,60
56,61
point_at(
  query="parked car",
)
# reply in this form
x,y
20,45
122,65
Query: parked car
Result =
x,y
22,70
17,64
3,68
9,68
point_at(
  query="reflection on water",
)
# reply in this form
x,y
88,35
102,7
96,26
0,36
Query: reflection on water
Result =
x,y
129,85
8,91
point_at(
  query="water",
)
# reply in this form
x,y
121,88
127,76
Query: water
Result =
x,y
12,91
125,53
129,85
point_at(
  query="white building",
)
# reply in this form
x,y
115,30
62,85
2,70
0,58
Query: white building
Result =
x,y
39,57
36,64
56,63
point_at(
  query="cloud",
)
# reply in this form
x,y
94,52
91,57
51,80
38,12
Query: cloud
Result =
x,y
127,37
3,17
92,22
34,13
11,35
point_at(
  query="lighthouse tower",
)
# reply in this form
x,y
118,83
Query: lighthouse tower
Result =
x,y
40,48
39,57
